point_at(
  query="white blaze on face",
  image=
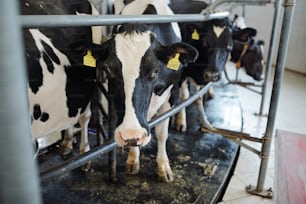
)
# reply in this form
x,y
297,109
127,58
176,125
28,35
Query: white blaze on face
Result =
x,y
218,30
130,49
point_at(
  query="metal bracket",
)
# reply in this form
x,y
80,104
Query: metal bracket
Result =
x,y
268,193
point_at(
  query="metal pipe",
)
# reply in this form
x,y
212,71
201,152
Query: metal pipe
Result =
x,y
279,71
87,20
18,171
271,53
78,161
181,105
216,3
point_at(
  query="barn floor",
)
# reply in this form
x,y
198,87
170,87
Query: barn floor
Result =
x,y
201,163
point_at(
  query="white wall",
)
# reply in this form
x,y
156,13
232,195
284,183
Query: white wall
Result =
x,y
261,17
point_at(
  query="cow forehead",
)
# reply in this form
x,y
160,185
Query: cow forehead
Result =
x,y
130,48
218,30
161,6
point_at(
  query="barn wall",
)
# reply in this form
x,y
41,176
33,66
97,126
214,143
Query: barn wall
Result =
x,y
261,17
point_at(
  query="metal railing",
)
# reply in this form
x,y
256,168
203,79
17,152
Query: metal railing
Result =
x,y
24,173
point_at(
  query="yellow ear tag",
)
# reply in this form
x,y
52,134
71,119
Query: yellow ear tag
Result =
x,y
195,35
174,63
89,60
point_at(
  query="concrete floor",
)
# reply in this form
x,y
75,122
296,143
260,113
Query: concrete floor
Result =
x,y
201,163
291,115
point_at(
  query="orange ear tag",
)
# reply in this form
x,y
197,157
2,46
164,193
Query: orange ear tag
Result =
x,y
174,63
89,60
195,35
238,64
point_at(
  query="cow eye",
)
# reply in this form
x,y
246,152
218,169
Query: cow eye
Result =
x,y
154,74
230,46
107,70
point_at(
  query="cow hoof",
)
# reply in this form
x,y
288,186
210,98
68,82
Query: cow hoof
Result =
x,y
86,167
132,168
165,176
181,128
64,151
165,173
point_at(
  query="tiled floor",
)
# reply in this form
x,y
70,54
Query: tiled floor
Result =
x,y
290,115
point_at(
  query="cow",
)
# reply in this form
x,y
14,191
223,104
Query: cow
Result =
x,y
60,86
143,64
215,40
247,52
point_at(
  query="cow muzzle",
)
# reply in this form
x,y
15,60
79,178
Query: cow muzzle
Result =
x,y
211,76
131,137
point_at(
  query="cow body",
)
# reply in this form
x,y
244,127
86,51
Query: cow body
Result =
x,y
162,98
60,88
213,39
143,71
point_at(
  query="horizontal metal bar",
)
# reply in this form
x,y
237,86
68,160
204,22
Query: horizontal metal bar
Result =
x,y
77,161
30,21
216,3
232,134
248,147
179,106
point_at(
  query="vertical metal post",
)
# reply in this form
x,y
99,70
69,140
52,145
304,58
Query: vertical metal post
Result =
x,y
18,171
279,71
243,10
271,53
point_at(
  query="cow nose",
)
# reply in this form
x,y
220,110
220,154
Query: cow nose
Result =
x,y
131,137
211,76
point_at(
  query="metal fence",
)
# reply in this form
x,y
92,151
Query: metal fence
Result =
x,y
18,172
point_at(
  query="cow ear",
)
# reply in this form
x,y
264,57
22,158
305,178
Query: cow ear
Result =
x,y
79,48
183,52
261,42
187,52
82,48
150,10
247,33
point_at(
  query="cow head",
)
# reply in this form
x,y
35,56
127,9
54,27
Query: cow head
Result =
x,y
213,39
248,52
252,60
135,63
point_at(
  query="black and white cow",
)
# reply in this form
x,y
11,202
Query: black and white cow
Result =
x,y
60,85
247,52
213,39
143,66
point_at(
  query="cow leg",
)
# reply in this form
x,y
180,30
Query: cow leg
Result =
x,y
84,144
181,122
204,123
161,130
132,163
67,143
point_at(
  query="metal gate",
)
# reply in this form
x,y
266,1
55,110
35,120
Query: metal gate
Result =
x,y
18,172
